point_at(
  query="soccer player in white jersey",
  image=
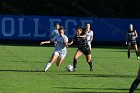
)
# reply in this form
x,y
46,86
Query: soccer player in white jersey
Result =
x,y
60,48
89,34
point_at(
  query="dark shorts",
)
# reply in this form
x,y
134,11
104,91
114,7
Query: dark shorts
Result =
x,y
85,51
132,43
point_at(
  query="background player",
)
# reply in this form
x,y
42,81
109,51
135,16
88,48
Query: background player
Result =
x,y
83,48
131,40
55,32
89,34
60,48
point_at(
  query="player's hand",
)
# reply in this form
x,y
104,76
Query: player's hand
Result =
x,y
68,44
78,36
126,43
41,43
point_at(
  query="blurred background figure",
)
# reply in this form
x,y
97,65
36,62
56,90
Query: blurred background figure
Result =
x,y
55,31
89,34
131,36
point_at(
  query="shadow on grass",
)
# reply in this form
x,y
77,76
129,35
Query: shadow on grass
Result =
x,y
21,71
96,92
75,74
100,75
117,90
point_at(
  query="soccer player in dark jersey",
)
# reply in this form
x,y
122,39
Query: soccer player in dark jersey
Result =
x,y
131,40
135,83
83,48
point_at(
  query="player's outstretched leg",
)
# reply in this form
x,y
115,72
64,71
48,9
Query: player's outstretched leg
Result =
x,y
136,49
88,58
134,85
137,54
91,66
76,56
53,58
128,54
59,61
47,66
74,64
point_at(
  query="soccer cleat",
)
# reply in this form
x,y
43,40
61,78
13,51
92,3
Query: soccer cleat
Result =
x,y
45,70
138,58
74,69
91,69
47,66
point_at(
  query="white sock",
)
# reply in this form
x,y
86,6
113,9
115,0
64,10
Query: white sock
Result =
x,y
47,66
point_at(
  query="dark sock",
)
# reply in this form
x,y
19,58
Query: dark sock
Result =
x,y
134,85
74,63
90,64
128,54
137,53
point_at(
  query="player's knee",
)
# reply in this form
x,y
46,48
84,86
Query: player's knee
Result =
x,y
75,57
88,60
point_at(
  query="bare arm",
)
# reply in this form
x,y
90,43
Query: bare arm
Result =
x,y
45,42
66,42
91,39
136,34
126,38
82,36
70,43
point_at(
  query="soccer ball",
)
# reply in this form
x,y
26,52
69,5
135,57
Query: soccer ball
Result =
x,y
69,68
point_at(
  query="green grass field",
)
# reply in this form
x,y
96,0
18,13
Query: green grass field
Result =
x,y
21,66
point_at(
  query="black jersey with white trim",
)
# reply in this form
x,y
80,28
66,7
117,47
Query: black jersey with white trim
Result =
x,y
82,43
131,35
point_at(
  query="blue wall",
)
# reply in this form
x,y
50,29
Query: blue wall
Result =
x,y
39,27
113,29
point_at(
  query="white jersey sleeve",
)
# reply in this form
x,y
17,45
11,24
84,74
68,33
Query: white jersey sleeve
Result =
x,y
89,35
92,34
66,39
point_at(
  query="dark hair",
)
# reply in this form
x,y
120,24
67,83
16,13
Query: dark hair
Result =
x,y
82,29
61,28
79,27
